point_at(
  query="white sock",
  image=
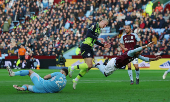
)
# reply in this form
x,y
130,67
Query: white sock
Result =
x,y
137,74
72,67
76,79
101,68
130,74
94,66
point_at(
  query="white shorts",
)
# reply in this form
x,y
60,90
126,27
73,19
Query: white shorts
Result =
x,y
135,61
110,68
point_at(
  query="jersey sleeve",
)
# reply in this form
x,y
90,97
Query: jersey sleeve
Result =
x,y
98,43
137,38
143,58
54,74
121,40
131,53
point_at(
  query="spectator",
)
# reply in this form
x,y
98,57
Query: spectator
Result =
x,y
32,60
142,24
159,7
21,54
6,26
149,8
154,39
106,61
61,60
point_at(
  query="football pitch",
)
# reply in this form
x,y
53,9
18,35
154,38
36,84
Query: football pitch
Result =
x,y
93,87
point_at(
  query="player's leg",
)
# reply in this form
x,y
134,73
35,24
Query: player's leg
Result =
x,y
166,72
23,88
101,67
30,88
87,54
130,73
135,63
137,73
21,73
38,86
21,60
80,66
82,72
108,69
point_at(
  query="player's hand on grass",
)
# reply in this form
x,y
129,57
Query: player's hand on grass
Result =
x,y
107,45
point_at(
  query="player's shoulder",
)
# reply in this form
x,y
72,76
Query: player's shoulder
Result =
x,y
123,35
93,25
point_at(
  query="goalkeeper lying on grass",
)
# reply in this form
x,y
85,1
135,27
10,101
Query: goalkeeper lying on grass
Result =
x,y
51,83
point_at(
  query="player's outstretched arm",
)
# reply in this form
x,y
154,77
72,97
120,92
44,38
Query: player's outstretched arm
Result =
x,y
47,77
131,53
155,59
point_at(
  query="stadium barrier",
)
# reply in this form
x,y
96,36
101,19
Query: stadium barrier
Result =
x,y
43,61
161,64
46,62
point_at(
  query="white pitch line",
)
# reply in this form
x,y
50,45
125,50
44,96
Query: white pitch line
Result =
x,y
87,81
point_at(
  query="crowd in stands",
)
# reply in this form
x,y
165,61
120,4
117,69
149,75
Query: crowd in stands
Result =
x,y
54,29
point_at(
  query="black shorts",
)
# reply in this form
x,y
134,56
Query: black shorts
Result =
x,y
86,51
22,57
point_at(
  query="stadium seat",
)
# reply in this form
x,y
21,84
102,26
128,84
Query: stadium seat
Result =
x,y
127,22
87,14
45,4
166,36
67,25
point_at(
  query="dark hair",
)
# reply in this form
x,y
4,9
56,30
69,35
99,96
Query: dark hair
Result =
x,y
136,46
128,25
65,70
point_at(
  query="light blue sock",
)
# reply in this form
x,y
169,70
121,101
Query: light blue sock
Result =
x,y
101,68
25,87
168,70
137,74
22,72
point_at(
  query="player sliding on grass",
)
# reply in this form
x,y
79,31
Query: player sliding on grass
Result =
x,y
124,59
87,50
56,82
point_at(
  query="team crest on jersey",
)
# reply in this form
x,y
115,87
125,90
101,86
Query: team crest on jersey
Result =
x,y
131,37
88,54
92,27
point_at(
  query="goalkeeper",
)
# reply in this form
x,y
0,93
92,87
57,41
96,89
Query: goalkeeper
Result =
x,y
51,83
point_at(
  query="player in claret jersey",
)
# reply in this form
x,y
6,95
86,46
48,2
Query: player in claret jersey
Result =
x,y
124,59
127,42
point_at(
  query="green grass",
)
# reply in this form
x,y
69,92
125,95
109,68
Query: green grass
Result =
x,y
93,87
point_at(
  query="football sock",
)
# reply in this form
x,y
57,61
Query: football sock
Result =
x,y
81,74
137,73
81,66
101,68
76,79
130,74
25,87
168,70
22,72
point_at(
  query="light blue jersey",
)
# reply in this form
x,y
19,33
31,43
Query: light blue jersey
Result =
x,y
131,53
56,83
